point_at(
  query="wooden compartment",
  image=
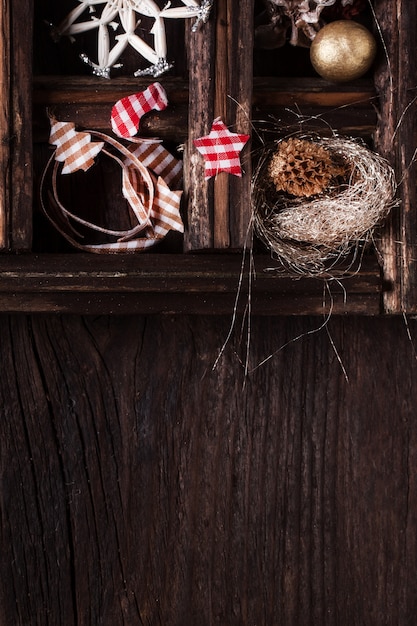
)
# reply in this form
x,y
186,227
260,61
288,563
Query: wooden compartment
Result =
x,y
216,73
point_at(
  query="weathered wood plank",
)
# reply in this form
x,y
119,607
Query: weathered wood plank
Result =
x,y
52,89
21,203
239,104
87,101
221,217
225,92
200,303
4,123
203,284
396,139
280,91
139,486
171,125
312,92
198,191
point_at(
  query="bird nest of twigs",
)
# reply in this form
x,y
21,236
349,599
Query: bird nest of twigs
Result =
x,y
316,199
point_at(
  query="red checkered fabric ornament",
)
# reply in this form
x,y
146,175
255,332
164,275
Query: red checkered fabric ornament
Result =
x,y
221,150
127,112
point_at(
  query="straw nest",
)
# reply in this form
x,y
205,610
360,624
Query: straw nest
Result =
x,y
314,199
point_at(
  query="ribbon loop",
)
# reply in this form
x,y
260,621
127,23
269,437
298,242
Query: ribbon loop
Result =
x,y
153,204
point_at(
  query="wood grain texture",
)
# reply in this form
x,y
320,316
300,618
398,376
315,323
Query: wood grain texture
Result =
x,y
198,191
139,486
4,123
396,140
88,101
221,219
233,103
239,106
21,205
167,283
220,86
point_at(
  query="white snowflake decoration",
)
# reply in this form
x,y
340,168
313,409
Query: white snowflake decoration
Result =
x,y
125,13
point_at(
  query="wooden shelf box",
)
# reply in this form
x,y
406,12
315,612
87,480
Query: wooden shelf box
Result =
x,y
215,76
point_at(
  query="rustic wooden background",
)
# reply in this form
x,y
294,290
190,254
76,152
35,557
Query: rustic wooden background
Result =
x,y
139,487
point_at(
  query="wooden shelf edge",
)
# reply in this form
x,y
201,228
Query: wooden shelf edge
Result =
x,y
166,283
81,89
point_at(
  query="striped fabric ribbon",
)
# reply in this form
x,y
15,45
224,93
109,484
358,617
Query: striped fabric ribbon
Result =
x,y
150,185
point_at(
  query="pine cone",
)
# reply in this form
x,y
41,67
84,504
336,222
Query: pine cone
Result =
x,y
302,168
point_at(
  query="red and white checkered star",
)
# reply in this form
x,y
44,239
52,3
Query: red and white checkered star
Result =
x,y
221,150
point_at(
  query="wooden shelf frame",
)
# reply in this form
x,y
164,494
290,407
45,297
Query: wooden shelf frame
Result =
x,y
396,139
204,283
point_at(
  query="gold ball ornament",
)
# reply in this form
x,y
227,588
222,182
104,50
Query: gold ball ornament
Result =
x,y
343,50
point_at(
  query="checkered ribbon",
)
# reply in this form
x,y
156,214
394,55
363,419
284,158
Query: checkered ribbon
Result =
x,y
152,202
127,112
153,155
164,213
221,150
